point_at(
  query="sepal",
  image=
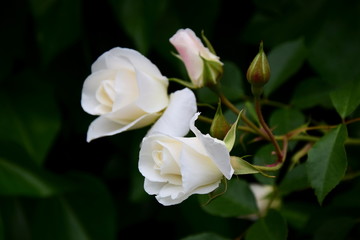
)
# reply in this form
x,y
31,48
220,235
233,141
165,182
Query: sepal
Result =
x,y
230,137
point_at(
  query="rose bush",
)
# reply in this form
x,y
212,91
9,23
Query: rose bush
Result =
x,y
177,167
126,90
201,64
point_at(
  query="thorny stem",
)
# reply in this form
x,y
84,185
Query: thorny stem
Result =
x,y
235,110
271,136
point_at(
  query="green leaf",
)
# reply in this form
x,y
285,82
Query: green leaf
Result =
x,y
272,227
285,60
326,163
335,229
346,98
85,214
285,120
138,18
2,230
232,82
21,176
58,25
231,134
264,156
31,117
334,47
237,200
297,213
311,92
294,180
205,236
16,226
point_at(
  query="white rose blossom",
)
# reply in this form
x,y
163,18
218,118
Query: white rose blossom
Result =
x,y
177,167
126,90
193,53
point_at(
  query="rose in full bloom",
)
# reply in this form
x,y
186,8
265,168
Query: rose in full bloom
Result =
x,y
177,167
126,90
203,66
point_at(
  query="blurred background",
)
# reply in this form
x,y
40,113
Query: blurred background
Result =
x,y
55,185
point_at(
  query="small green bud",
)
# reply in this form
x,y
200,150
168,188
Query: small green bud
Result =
x,y
258,74
219,127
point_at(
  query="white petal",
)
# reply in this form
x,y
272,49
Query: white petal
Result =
x,y
102,126
171,195
167,167
141,62
152,187
176,118
91,85
197,170
215,148
153,93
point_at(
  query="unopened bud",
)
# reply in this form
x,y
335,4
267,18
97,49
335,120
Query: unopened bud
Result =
x,y
258,73
219,127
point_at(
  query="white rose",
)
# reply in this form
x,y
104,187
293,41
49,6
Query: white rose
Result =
x,y
175,120
262,194
126,90
193,53
177,167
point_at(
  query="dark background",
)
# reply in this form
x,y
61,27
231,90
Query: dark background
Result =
x,y
55,185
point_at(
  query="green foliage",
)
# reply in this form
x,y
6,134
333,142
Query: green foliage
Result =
x,y
285,60
326,164
55,185
346,98
273,226
237,200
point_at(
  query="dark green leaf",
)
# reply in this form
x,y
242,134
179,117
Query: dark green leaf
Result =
x,y
278,21
21,176
31,117
284,60
237,200
297,213
346,98
138,18
311,92
264,156
2,229
232,83
284,120
272,227
326,163
205,236
294,180
85,214
334,47
58,25
16,226
335,229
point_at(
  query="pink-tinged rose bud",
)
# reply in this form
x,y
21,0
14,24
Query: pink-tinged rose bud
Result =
x,y
258,74
202,66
